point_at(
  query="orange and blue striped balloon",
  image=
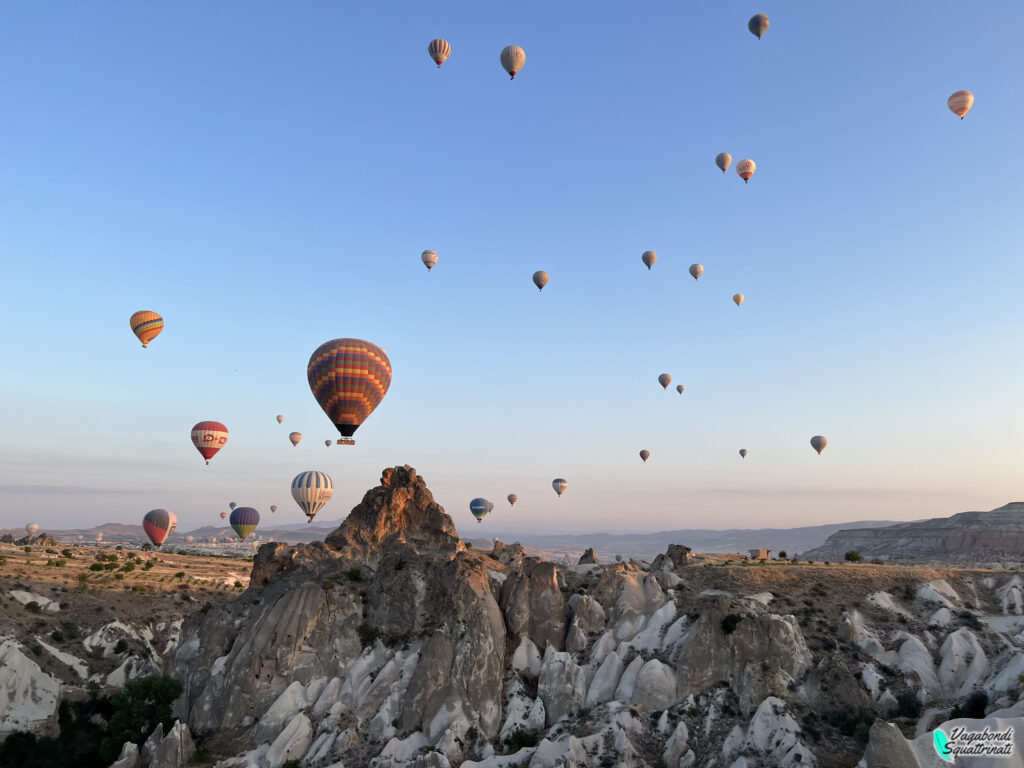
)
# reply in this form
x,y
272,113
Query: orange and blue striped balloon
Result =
x,y
349,378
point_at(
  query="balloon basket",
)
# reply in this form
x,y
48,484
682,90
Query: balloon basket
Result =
x,y
346,441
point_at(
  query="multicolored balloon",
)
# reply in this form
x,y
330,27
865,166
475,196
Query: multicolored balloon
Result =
x,y
680,388
159,524
758,25
480,508
209,437
648,258
295,437
664,379
512,499
512,59
818,443
348,378
696,270
311,490
439,50
645,455
723,160
959,103
746,168
327,443
429,257
146,325
559,485
244,520
224,514
540,279
743,453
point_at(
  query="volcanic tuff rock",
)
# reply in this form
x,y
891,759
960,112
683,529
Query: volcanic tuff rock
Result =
x,y
391,645
967,538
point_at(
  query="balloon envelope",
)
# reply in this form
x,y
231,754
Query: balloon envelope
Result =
x,y
680,388
512,59
348,378
664,379
696,270
960,103
818,443
758,25
429,259
480,508
295,437
311,490
439,50
280,418
746,168
645,455
540,279
32,529
559,485
743,452
159,524
648,258
209,437
224,514
738,299
190,539
723,161
273,507
232,505
327,443
146,325
512,499
244,520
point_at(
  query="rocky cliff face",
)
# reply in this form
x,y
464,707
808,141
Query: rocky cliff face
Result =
x,y
392,644
968,538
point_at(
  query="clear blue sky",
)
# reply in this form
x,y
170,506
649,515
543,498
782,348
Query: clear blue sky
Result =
x,y
265,175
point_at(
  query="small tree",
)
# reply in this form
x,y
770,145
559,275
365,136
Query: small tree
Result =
x,y
782,554
853,556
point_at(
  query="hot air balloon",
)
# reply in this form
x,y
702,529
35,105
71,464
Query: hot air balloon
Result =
x,y
746,168
664,379
209,437
680,388
512,499
273,508
327,443
540,279
696,270
559,485
723,160
232,505
512,59
311,490
429,257
244,520
99,537
349,378
280,418
743,453
159,524
818,443
190,539
224,514
32,529
645,455
295,437
959,103
758,25
439,50
648,258
147,325
480,508
738,299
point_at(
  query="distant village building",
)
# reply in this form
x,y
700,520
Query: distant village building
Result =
x,y
758,554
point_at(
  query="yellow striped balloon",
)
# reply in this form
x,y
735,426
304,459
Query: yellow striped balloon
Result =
x,y
146,325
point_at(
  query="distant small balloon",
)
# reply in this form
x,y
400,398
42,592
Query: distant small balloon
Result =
x,y
540,279
738,299
512,59
429,257
648,258
680,388
696,270
664,379
512,499
645,455
723,161
159,524
559,485
209,437
818,443
32,529
311,491
244,520
746,168
743,452
273,508
439,50
280,418
190,539
295,437
223,515
327,443
480,508
146,326
959,103
99,537
758,25
232,505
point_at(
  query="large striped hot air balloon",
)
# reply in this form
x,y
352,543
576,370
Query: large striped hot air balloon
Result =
x,y
512,499
311,490
349,378
244,520
209,437
480,508
559,485
146,325
512,59
159,524
296,438
439,50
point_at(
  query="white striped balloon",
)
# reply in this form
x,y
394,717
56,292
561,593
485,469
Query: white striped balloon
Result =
x,y
439,50
311,490
512,59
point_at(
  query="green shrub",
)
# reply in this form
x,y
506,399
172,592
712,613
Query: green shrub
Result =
x,y
207,607
367,634
327,585
83,579
67,553
179,575
908,705
71,631
520,739
853,556
33,607
974,707
127,567
37,650
51,551
27,549
354,574
122,646
730,622
291,764
849,719
782,554
57,636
